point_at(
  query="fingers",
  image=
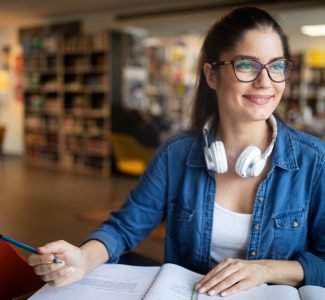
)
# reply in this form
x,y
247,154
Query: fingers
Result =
x,y
35,259
215,271
54,247
222,277
57,275
68,278
43,269
221,286
236,288
47,253
232,276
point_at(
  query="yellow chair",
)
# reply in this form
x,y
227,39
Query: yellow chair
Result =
x,y
131,156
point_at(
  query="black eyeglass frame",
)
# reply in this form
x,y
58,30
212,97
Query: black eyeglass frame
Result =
x,y
216,64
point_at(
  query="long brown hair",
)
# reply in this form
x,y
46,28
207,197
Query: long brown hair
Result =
x,y
221,37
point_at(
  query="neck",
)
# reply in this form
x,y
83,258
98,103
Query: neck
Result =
x,y
238,136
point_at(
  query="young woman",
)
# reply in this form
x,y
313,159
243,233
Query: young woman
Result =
x,y
243,195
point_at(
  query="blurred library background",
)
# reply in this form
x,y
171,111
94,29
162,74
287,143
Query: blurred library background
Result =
x,y
90,89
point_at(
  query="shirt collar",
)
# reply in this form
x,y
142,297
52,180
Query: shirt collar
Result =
x,y
195,157
284,154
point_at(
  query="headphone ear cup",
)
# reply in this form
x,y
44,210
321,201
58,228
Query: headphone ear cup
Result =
x,y
218,152
246,161
257,167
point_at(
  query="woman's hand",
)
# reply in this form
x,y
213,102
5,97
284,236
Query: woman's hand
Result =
x,y
72,269
232,276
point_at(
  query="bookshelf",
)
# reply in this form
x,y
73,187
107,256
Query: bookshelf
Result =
x,y
304,99
42,102
86,106
67,101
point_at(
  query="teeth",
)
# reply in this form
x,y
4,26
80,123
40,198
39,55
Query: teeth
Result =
x,y
259,97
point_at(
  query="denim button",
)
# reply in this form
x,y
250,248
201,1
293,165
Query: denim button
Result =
x,y
253,253
257,226
295,224
261,199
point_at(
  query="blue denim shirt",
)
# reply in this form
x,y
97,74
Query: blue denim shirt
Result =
x,y
288,218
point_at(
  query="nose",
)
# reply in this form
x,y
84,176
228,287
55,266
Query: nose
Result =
x,y
263,80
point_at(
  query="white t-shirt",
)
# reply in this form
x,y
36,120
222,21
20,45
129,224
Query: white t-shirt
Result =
x,y
230,233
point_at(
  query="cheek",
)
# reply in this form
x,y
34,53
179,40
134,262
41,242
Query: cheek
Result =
x,y
229,86
279,88
227,93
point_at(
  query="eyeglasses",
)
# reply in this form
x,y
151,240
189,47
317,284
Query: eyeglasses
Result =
x,y
248,69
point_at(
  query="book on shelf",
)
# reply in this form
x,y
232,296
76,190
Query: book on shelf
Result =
x,y
170,281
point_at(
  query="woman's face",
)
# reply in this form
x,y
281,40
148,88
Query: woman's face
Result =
x,y
254,100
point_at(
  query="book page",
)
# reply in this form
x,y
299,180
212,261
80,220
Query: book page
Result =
x,y
263,292
108,281
312,292
173,283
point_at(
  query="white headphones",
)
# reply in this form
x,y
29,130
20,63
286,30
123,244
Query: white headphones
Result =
x,y
250,162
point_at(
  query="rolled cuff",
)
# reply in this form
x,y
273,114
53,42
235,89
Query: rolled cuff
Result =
x,y
111,241
314,268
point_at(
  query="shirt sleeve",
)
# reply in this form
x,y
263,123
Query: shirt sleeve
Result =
x,y
313,262
143,210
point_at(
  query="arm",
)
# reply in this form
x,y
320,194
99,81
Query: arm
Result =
x,y
143,210
123,230
284,272
95,253
313,261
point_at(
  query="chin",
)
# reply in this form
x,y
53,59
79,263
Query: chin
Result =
x,y
261,116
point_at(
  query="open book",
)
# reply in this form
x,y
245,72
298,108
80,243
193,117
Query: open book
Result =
x,y
172,282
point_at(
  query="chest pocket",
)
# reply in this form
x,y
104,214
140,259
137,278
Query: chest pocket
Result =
x,y
181,213
289,229
180,221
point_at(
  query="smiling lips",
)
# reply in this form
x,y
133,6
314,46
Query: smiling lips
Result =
x,y
258,99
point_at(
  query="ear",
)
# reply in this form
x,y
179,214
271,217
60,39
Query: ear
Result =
x,y
210,76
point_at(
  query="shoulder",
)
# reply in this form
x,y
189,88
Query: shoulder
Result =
x,y
186,147
295,149
182,141
307,142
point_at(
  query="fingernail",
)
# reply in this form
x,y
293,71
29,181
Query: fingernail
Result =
x,y
212,292
50,259
223,294
202,290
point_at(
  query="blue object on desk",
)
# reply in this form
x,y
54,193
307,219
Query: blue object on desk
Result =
x,y
24,246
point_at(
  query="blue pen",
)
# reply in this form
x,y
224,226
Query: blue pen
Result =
x,y
26,247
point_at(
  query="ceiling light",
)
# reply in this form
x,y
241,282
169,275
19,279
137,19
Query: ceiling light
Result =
x,y
313,30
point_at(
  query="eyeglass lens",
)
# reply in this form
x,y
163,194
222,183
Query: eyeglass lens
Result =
x,y
249,70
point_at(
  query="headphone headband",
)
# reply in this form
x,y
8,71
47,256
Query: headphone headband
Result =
x,y
268,151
